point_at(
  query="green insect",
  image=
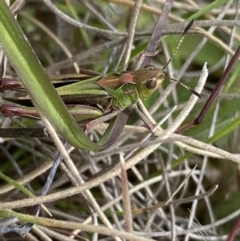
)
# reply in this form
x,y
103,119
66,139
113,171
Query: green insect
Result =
x,y
92,98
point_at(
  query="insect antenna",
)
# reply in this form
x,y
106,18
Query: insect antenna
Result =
x,y
186,87
174,53
179,44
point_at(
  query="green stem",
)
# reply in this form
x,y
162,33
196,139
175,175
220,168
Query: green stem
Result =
x,y
42,92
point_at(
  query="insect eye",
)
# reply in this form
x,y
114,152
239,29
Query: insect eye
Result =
x,y
151,83
149,67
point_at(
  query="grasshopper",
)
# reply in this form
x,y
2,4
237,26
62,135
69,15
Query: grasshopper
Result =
x,y
92,98
106,93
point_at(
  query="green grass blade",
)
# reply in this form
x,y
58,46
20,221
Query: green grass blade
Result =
x,y
207,8
43,94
